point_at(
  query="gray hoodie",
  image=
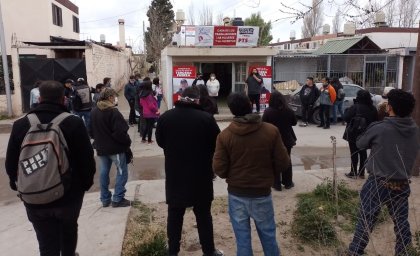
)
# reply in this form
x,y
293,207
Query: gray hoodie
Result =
x,y
394,143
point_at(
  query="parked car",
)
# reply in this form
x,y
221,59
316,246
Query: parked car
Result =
x,y
350,91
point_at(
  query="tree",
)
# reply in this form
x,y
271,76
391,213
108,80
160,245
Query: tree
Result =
x,y
312,22
336,22
265,28
191,14
206,16
161,19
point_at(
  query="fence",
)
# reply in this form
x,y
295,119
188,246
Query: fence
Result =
x,y
372,71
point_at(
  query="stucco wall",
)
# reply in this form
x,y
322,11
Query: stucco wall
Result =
x,y
394,40
103,62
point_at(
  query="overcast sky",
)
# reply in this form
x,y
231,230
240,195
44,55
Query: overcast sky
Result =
x,y
101,17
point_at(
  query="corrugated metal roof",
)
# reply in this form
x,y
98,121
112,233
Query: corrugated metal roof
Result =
x,y
337,46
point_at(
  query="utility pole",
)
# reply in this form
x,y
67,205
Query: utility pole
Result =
x,y
416,92
5,66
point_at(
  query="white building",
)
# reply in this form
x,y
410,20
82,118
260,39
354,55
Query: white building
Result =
x,y
37,21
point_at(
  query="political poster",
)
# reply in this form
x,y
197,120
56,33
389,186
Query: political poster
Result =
x,y
182,77
226,36
247,36
266,74
204,35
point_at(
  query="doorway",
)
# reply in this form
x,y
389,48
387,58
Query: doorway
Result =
x,y
223,72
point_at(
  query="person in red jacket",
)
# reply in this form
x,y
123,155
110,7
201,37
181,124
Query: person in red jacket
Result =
x,y
150,111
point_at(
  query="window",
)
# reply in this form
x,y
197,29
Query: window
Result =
x,y
57,15
76,24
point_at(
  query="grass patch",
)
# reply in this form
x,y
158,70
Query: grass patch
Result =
x,y
313,221
142,236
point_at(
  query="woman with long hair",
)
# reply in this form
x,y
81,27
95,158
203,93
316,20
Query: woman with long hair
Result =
x,y
206,102
253,88
280,115
150,111
363,107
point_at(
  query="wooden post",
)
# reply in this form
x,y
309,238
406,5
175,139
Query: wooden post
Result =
x,y
335,184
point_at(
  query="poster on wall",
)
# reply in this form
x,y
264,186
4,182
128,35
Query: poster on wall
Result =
x,y
204,35
247,36
265,73
182,77
226,36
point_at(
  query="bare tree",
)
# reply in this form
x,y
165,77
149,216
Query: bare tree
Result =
x,y
191,14
336,22
206,15
408,13
313,21
219,19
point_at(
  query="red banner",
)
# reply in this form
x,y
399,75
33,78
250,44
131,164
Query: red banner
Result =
x,y
184,72
225,36
264,71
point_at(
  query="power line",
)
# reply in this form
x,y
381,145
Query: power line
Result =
x,y
116,16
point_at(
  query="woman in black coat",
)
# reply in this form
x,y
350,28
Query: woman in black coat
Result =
x,y
279,114
363,106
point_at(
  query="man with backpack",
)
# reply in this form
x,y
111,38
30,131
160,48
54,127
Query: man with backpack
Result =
x,y
82,102
51,177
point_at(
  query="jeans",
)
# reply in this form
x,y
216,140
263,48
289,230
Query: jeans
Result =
x,y
148,131
338,105
324,115
255,98
204,225
159,100
56,228
372,197
105,163
354,154
241,209
85,115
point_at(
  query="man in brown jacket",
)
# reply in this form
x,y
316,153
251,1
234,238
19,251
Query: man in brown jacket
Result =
x,y
248,155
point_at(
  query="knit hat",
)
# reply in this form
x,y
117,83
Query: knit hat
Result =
x,y
106,93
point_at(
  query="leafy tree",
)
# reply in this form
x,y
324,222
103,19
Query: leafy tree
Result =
x,y
265,28
161,19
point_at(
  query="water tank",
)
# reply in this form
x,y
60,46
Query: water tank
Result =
x,y
102,38
326,29
180,16
349,29
238,22
292,35
380,17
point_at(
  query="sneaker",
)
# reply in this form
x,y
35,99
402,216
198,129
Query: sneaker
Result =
x,y
106,204
123,203
351,175
289,186
215,253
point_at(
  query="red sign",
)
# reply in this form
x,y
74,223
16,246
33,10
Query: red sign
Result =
x,y
225,36
184,72
264,71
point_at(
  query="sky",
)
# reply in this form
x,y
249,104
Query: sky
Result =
x,y
98,17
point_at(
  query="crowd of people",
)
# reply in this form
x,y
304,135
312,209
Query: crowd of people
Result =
x,y
252,154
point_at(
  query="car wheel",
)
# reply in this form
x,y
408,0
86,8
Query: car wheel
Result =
x,y
315,116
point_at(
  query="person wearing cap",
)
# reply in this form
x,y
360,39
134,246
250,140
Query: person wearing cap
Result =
x,y
198,80
187,135
109,130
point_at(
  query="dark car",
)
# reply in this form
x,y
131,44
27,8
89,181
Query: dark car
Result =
x,y
349,89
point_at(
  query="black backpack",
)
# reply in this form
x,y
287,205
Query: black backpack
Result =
x,y
357,126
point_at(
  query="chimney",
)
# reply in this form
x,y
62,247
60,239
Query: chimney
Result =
x,y
102,38
122,33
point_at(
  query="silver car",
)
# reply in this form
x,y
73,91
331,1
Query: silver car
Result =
x,y
350,91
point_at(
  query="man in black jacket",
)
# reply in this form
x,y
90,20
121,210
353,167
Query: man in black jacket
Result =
x,y
111,142
308,95
187,135
55,223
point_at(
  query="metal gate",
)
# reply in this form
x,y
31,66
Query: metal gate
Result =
x,y
32,70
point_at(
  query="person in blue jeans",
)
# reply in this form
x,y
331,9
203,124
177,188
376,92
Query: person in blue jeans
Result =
x,y
249,154
394,144
111,142
338,104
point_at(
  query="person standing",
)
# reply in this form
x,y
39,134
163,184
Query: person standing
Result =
x,y
394,144
280,115
130,90
187,135
56,222
363,107
206,102
34,95
308,95
249,155
338,104
213,87
111,142
158,91
150,108
82,102
97,93
69,94
198,80
253,88
326,100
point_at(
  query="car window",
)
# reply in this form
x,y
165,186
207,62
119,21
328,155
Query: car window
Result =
x,y
351,91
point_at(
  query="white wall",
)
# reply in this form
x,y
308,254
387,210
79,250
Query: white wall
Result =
x,y
31,20
394,40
